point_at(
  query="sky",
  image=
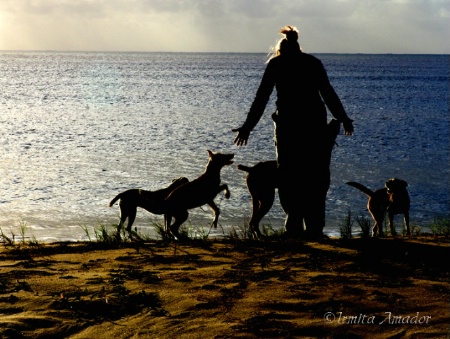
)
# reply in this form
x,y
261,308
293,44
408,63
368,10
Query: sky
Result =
x,y
326,26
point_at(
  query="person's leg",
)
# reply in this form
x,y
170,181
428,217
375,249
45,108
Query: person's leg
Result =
x,y
315,216
291,201
289,182
318,185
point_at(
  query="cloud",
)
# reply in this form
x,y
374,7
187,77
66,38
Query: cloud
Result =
x,y
343,26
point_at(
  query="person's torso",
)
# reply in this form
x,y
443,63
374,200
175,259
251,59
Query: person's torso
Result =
x,y
297,82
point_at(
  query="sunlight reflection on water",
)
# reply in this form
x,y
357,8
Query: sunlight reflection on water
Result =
x,y
78,128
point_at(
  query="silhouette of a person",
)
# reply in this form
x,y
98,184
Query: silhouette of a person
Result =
x,y
303,93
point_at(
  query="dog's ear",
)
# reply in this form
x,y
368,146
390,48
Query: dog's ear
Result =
x,y
210,153
388,184
394,182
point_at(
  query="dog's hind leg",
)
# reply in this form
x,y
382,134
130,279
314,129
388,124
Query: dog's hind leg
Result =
x,y
378,215
216,213
131,219
255,218
167,222
377,230
261,206
120,226
123,215
180,218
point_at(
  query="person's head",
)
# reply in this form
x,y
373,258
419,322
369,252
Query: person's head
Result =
x,y
289,42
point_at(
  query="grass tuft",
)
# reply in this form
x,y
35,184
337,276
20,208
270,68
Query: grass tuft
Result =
x,y
365,225
441,226
345,227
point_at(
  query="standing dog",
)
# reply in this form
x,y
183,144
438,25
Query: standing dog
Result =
x,y
393,199
261,181
152,201
196,193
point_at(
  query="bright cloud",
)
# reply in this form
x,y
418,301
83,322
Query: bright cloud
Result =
x,y
341,26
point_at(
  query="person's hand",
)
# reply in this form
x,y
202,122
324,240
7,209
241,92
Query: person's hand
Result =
x,y
348,127
242,136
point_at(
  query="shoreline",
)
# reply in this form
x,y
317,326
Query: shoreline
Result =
x,y
76,232
359,288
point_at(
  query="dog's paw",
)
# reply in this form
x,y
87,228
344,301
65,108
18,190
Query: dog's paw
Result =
x,y
176,235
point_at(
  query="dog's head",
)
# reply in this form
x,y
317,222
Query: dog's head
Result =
x,y
221,159
395,185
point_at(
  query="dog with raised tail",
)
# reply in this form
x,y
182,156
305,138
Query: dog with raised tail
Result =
x,y
392,199
152,201
196,193
262,181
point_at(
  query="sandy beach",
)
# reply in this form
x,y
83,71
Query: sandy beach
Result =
x,y
358,288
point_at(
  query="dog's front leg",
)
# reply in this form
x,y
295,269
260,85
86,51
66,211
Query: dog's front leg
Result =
x,y
216,213
408,229
391,224
224,187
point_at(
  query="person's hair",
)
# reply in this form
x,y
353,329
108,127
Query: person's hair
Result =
x,y
288,43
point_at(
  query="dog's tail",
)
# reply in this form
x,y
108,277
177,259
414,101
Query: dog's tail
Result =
x,y
244,168
117,197
361,187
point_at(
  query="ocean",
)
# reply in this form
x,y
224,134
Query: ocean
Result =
x,y
76,128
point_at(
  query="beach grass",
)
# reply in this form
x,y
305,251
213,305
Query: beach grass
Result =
x,y
112,234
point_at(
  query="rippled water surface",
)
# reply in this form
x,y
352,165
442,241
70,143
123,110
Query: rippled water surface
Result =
x,y
78,128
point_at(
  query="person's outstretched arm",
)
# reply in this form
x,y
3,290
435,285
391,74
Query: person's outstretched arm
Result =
x,y
258,106
333,103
